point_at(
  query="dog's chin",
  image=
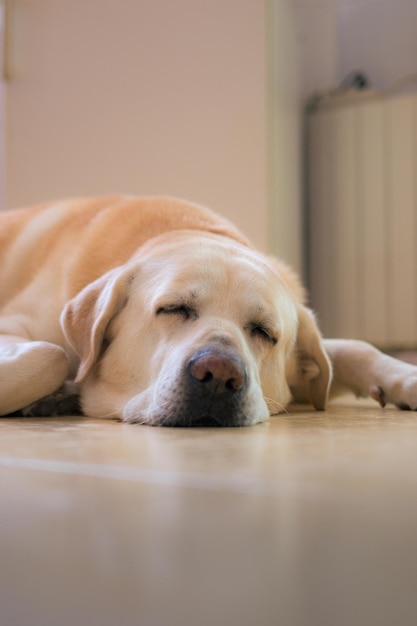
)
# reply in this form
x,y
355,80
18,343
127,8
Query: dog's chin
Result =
x,y
172,412
153,407
183,418
183,410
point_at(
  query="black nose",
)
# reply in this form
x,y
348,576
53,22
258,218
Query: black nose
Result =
x,y
218,372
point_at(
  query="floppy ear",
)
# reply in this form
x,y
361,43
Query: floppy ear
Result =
x,y
310,374
85,318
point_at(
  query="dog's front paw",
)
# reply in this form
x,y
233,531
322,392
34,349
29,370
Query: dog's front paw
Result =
x,y
406,397
64,401
398,386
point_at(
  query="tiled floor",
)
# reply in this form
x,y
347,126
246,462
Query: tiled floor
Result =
x,y
308,520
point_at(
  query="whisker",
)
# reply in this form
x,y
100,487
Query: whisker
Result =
x,y
274,404
111,415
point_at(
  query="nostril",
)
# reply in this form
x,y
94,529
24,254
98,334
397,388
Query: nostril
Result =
x,y
232,384
208,376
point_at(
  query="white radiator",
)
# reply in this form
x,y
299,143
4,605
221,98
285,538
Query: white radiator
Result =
x,y
362,197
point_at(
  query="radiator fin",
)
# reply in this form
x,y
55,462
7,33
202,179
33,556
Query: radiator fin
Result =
x,y
362,162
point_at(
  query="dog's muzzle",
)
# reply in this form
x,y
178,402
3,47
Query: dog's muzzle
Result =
x,y
215,381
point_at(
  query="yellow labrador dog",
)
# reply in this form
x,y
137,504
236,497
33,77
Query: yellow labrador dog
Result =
x,y
162,313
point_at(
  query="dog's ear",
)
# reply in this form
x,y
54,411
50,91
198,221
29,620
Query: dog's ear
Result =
x,y
85,318
310,371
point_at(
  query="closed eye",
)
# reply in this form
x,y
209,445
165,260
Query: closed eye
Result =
x,y
264,333
182,310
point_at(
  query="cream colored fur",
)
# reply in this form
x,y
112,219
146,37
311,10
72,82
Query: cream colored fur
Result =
x,y
143,301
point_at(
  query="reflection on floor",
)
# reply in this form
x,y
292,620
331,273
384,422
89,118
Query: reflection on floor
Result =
x,y
307,520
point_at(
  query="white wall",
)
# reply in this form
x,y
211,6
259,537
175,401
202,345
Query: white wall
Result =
x,y
186,97
146,97
337,37
284,134
318,44
2,107
149,97
379,37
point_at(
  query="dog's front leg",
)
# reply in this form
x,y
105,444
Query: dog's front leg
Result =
x,y
29,370
361,368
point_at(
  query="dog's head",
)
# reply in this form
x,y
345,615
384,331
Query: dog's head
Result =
x,y
196,330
